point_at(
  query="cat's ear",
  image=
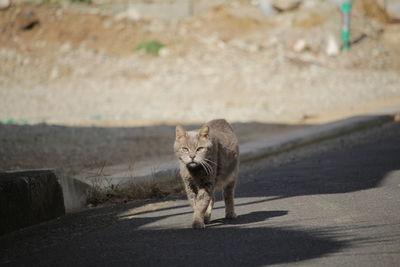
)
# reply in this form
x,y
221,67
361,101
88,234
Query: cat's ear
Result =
x,y
204,131
180,132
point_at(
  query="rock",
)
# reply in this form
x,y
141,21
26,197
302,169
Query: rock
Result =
x,y
332,47
392,8
4,4
26,20
266,7
300,45
285,5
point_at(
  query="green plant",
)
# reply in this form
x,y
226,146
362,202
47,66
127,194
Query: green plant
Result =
x,y
152,47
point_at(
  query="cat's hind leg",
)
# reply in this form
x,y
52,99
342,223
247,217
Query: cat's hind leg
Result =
x,y
228,192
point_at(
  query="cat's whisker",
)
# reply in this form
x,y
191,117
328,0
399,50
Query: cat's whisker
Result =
x,y
210,161
205,167
211,170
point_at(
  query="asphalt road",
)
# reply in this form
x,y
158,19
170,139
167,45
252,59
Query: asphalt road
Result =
x,y
335,203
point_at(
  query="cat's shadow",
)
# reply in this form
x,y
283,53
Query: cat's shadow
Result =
x,y
252,217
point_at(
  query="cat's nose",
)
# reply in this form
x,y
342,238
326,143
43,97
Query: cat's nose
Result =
x,y
192,156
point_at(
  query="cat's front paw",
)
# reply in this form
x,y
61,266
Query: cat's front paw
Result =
x,y
198,225
230,216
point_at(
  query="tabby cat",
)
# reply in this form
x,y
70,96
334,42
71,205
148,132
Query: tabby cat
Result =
x,y
209,161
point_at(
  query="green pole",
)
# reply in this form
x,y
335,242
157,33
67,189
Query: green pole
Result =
x,y
346,8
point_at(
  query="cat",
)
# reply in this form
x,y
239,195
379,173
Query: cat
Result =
x,y
209,162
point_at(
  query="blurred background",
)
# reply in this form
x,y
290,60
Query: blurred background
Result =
x,y
131,63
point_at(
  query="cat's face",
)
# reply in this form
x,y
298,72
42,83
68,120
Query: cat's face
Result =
x,y
192,147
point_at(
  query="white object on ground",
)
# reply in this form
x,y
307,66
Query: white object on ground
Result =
x,y
332,47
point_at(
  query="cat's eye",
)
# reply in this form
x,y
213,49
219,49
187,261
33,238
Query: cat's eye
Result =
x,y
199,149
185,149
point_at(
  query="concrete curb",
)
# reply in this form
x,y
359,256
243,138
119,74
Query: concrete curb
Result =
x,y
74,193
267,147
29,197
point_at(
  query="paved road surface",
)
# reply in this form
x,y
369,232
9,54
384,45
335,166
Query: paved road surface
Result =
x,y
335,204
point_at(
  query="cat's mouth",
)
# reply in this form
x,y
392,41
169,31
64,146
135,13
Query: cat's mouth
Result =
x,y
192,165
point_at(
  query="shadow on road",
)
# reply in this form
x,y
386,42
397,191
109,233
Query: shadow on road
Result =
x,y
252,217
358,168
133,242
227,246
127,244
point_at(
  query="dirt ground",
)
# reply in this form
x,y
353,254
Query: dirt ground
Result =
x,y
77,68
